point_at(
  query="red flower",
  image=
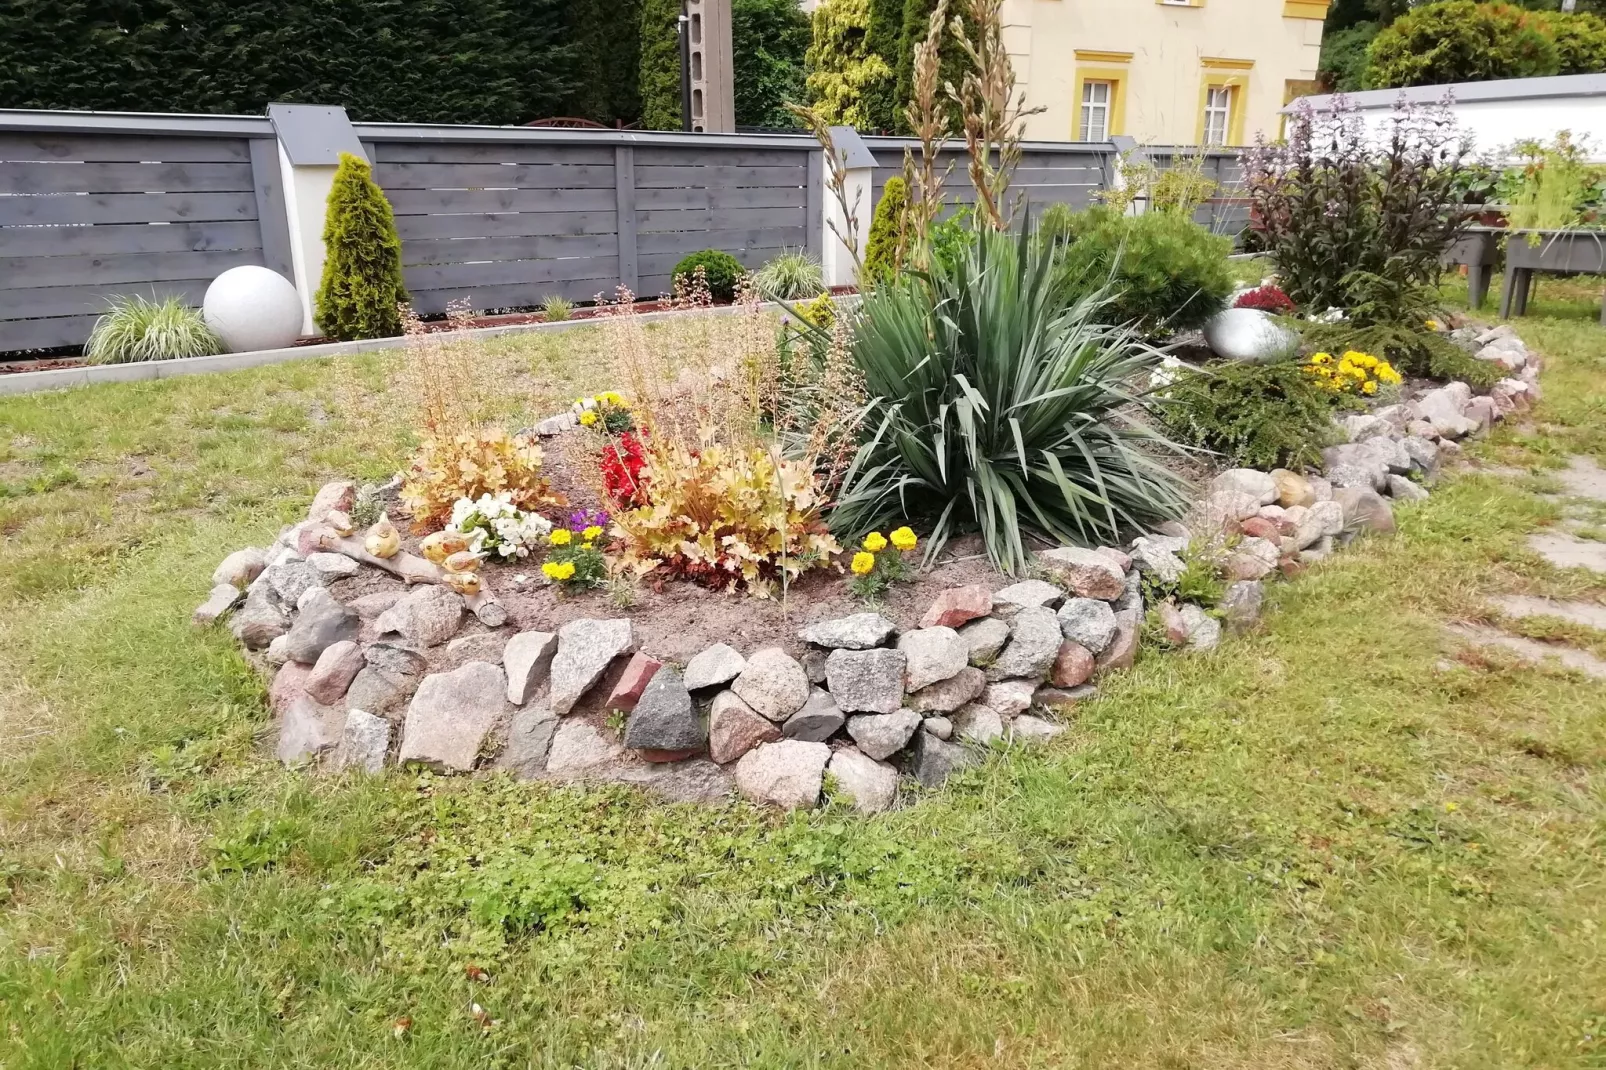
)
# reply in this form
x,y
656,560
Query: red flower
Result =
x,y
1267,299
622,462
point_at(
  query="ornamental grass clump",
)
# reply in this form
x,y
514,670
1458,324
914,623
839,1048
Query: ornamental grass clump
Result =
x,y
135,329
1000,410
790,276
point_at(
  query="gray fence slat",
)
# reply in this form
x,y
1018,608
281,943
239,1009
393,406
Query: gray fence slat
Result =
x,y
125,268
555,175
48,242
649,176
624,171
504,224
536,247
661,264
45,333
729,240
510,273
85,300
126,208
267,182
694,219
26,177
112,148
437,202
399,152
723,197
719,153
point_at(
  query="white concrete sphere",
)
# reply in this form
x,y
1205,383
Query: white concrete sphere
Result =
x,y
252,308
1249,335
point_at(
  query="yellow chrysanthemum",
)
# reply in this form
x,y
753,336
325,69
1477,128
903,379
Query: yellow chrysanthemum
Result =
x,y
875,542
1386,372
591,534
1369,387
588,418
862,563
904,539
560,537
559,570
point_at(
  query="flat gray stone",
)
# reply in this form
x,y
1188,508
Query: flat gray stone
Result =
x,y
871,785
864,681
240,568
1569,551
529,739
1241,604
334,671
664,717
979,724
1034,643
788,773
985,638
304,732
388,679
291,579
773,684
1029,729
331,567
427,617
450,716
932,761
881,735
719,664
734,728
1583,478
224,597
1532,650
585,650
1008,697
372,606
1085,573
364,742
487,646
941,727
1027,594
1403,490
1589,614
931,655
261,619
861,631
948,695
322,624
527,659
817,721
579,750
1089,622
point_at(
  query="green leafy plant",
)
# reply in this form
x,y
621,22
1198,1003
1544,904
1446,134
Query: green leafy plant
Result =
x,y
1202,581
362,289
1553,187
256,842
790,276
999,409
769,39
136,329
1460,41
721,272
883,255
1255,415
1163,270
556,308
367,506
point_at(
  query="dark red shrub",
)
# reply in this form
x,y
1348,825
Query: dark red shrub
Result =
x,y
622,462
1267,299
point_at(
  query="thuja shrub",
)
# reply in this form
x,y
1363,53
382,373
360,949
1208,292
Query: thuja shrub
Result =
x,y
1336,199
721,272
362,289
1163,271
884,251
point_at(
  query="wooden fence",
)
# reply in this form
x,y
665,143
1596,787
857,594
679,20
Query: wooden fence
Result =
x,y
95,205
156,206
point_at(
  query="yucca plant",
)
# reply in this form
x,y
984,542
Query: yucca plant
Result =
x,y
137,329
1001,410
557,307
792,276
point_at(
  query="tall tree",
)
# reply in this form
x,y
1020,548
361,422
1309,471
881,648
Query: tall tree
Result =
x,y
841,66
883,105
769,39
660,64
916,18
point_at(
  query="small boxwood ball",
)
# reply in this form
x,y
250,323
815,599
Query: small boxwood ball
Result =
x,y
252,308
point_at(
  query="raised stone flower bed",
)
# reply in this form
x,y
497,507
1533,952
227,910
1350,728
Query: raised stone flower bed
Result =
x,y
377,662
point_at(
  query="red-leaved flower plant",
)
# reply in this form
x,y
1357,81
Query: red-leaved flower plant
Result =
x,y
1267,298
622,462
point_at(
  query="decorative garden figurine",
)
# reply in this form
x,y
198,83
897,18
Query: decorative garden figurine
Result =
x,y
383,540
464,583
461,562
438,547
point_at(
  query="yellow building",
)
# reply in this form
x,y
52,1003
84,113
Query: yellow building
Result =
x,y
1165,72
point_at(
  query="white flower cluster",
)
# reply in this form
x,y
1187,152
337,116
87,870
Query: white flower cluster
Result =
x,y
1166,374
495,524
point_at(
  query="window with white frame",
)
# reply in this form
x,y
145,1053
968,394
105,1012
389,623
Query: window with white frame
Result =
x,y
1218,114
1096,110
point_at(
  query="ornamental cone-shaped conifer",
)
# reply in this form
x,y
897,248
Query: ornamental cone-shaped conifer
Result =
x,y
362,269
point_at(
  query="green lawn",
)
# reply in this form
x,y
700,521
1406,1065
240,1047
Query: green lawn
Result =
x,y
1344,841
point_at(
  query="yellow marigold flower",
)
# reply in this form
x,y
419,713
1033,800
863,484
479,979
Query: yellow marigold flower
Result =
x,y
588,417
559,570
863,563
1431,325
560,537
1386,372
904,539
591,533
1321,358
1369,387
875,542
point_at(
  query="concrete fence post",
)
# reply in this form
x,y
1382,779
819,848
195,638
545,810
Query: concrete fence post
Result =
x,y
311,139
850,220
1126,151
